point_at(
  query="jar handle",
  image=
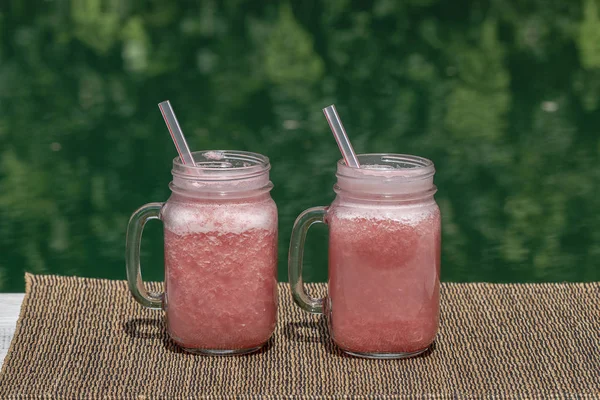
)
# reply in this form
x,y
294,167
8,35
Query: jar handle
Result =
x,y
132,255
303,223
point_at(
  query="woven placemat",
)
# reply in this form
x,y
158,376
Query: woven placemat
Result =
x,y
87,338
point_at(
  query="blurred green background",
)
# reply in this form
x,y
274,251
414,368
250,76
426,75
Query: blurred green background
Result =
x,y
504,97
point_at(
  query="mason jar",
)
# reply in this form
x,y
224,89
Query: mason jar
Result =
x,y
220,241
383,296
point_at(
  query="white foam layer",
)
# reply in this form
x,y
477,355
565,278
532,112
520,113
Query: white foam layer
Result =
x,y
405,215
231,218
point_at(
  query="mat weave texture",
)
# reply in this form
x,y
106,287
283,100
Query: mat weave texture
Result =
x,y
87,338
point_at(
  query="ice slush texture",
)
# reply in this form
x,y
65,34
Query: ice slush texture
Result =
x,y
221,281
384,279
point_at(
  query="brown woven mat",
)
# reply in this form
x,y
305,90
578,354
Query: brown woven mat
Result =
x,y
87,338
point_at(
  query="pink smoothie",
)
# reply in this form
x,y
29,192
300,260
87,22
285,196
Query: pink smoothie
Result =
x,y
384,279
221,274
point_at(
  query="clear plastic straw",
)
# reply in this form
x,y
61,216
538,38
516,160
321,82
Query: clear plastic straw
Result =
x,y
339,133
176,133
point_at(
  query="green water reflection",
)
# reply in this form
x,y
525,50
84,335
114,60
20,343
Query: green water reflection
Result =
x,y
503,96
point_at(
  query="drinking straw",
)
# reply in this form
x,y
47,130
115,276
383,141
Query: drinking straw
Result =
x,y
339,133
176,133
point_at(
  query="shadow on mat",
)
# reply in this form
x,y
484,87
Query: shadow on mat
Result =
x,y
318,332
151,329
154,329
312,332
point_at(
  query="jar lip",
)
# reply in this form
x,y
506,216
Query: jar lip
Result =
x,y
222,193
387,166
222,165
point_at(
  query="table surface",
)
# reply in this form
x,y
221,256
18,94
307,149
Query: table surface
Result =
x,y
10,304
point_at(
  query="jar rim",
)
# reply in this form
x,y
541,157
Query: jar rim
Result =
x,y
387,167
222,165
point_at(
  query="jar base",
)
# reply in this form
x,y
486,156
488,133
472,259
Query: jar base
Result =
x,y
211,352
386,356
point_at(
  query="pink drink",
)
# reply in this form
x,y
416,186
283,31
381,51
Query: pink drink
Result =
x,y
220,239
384,257
384,278
221,272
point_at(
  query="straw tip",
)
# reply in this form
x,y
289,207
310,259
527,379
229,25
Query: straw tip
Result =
x,y
331,107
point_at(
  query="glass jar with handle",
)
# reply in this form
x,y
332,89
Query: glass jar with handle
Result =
x,y
384,257
220,239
